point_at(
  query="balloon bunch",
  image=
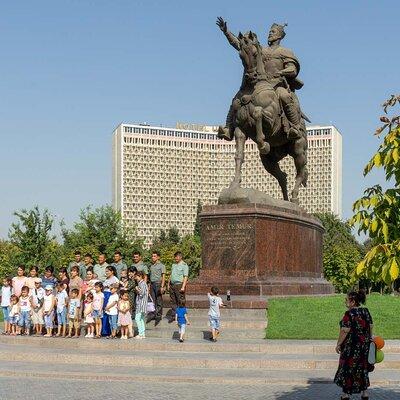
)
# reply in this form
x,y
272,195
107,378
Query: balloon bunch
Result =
x,y
376,354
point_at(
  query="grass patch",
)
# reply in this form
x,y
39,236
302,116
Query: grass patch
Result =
x,y
318,317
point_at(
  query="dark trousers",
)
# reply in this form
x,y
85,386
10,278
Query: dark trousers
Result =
x,y
155,292
176,296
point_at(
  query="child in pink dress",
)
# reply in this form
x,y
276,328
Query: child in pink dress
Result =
x,y
89,320
124,315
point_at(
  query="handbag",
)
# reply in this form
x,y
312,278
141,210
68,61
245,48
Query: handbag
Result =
x,y
150,305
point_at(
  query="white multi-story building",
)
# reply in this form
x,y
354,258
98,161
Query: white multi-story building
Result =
x,y
160,174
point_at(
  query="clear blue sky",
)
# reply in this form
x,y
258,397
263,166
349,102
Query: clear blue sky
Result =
x,y
70,71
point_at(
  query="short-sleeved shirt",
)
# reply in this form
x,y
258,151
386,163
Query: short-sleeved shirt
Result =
x,y
100,271
141,266
156,271
97,297
215,304
119,267
38,295
5,296
61,300
180,315
74,304
75,283
108,282
114,309
178,272
17,284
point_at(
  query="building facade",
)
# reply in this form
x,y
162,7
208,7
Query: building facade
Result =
x,y
160,174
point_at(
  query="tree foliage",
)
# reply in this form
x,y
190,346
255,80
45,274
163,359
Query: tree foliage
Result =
x,y
197,225
32,238
189,245
100,230
377,212
341,252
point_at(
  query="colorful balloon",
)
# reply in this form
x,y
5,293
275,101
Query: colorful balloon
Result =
x,y
380,343
379,356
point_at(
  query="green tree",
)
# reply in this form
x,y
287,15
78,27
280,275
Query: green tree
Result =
x,y
377,212
9,254
190,247
173,235
197,225
341,252
100,230
31,235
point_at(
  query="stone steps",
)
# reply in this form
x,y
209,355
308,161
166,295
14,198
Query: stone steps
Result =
x,y
196,345
234,361
181,375
111,357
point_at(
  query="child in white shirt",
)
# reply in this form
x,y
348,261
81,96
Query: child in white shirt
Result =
x,y
48,309
214,314
112,309
14,315
5,294
74,307
25,303
61,302
38,294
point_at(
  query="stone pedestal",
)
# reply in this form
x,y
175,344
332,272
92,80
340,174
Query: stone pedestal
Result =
x,y
261,250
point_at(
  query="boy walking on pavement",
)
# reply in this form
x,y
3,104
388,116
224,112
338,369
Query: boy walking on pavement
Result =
x,y
214,313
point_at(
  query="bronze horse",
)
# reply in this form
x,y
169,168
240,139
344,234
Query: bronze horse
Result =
x,y
259,116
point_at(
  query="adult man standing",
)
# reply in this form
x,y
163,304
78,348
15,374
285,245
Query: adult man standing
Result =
x,y
157,285
282,68
177,283
79,263
100,268
119,264
139,264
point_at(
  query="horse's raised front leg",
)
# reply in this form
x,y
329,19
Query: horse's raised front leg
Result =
x,y
300,161
263,146
240,139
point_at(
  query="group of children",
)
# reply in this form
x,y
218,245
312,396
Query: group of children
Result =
x,y
46,307
43,307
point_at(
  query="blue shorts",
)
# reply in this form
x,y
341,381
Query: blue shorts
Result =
x,y
6,313
14,319
48,320
97,314
182,328
62,317
25,319
113,319
215,323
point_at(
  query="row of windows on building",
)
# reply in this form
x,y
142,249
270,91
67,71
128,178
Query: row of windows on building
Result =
x,y
169,132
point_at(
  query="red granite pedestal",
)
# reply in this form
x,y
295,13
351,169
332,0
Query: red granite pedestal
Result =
x,y
260,250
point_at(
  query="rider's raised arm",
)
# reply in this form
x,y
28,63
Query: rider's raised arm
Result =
x,y
232,39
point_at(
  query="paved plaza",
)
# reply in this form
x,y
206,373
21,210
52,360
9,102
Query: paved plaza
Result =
x,y
15,389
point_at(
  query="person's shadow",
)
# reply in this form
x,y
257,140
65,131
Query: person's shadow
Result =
x,y
314,390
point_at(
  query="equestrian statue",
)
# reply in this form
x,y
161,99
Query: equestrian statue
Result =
x,y
266,108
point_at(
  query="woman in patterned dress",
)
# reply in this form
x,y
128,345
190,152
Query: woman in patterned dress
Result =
x,y
353,347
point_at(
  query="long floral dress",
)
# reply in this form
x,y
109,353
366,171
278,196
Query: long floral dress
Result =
x,y
352,373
